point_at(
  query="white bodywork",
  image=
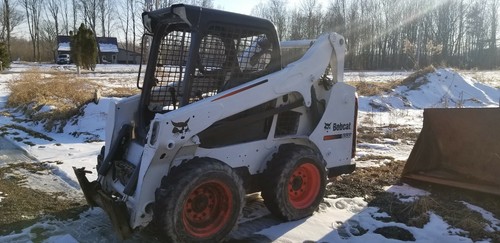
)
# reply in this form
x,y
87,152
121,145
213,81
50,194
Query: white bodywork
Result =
x,y
164,149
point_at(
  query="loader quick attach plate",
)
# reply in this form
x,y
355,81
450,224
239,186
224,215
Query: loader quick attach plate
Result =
x,y
96,197
458,148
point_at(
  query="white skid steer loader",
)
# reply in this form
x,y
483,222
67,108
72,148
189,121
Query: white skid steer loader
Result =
x,y
220,116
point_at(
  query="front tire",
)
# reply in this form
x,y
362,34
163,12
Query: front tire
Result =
x,y
296,178
199,201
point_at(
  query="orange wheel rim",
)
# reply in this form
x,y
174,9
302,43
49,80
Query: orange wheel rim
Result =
x,y
207,209
304,185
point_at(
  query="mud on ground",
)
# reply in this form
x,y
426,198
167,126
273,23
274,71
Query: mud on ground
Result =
x,y
21,206
444,201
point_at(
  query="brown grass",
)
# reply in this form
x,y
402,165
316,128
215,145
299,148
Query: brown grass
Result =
x,y
411,81
365,88
65,93
373,134
375,157
122,92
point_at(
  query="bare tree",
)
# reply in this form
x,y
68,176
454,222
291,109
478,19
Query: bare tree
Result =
x,y
276,12
33,12
105,9
111,9
90,12
493,34
65,21
48,37
132,16
203,3
53,7
312,16
76,6
124,22
11,18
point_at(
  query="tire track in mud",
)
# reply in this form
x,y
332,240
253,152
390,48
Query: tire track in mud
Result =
x,y
95,226
11,153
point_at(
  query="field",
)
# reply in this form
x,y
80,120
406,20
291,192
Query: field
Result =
x,y
40,200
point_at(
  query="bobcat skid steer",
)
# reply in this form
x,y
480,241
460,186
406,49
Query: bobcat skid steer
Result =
x,y
220,116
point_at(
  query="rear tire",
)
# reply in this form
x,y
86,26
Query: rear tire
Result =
x,y
199,201
296,181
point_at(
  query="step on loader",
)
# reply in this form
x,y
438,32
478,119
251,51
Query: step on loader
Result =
x,y
220,116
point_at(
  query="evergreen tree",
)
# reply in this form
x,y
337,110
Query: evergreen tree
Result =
x,y
4,55
84,48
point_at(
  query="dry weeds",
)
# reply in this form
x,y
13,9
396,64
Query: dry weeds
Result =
x,y
365,88
411,81
54,98
64,93
374,134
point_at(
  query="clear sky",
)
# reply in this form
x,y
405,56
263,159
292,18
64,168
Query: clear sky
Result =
x,y
241,6
246,6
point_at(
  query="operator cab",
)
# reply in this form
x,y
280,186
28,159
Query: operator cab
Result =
x,y
197,52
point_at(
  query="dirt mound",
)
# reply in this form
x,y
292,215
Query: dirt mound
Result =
x,y
441,88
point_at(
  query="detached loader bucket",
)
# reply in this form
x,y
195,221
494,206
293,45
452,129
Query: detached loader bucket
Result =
x,y
458,147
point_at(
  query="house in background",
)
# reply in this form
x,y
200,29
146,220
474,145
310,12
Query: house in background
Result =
x,y
128,57
108,48
63,46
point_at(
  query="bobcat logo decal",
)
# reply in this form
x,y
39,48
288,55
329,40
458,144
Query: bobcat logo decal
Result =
x,y
328,126
180,128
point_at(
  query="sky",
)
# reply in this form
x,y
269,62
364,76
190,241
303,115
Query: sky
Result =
x,y
245,6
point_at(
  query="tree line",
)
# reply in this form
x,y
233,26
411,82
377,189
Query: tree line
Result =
x,y
402,34
46,19
380,34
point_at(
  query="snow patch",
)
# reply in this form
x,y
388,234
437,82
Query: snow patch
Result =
x,y
61,239
93,119
406,193
46,108
443,88
494,222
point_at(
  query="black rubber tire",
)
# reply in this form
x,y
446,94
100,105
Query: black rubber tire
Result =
x,y
199,201
289,193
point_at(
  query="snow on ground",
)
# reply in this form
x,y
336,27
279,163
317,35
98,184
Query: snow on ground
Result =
x,y
441,89
406,193
338,220
374,76
494,224
351,220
